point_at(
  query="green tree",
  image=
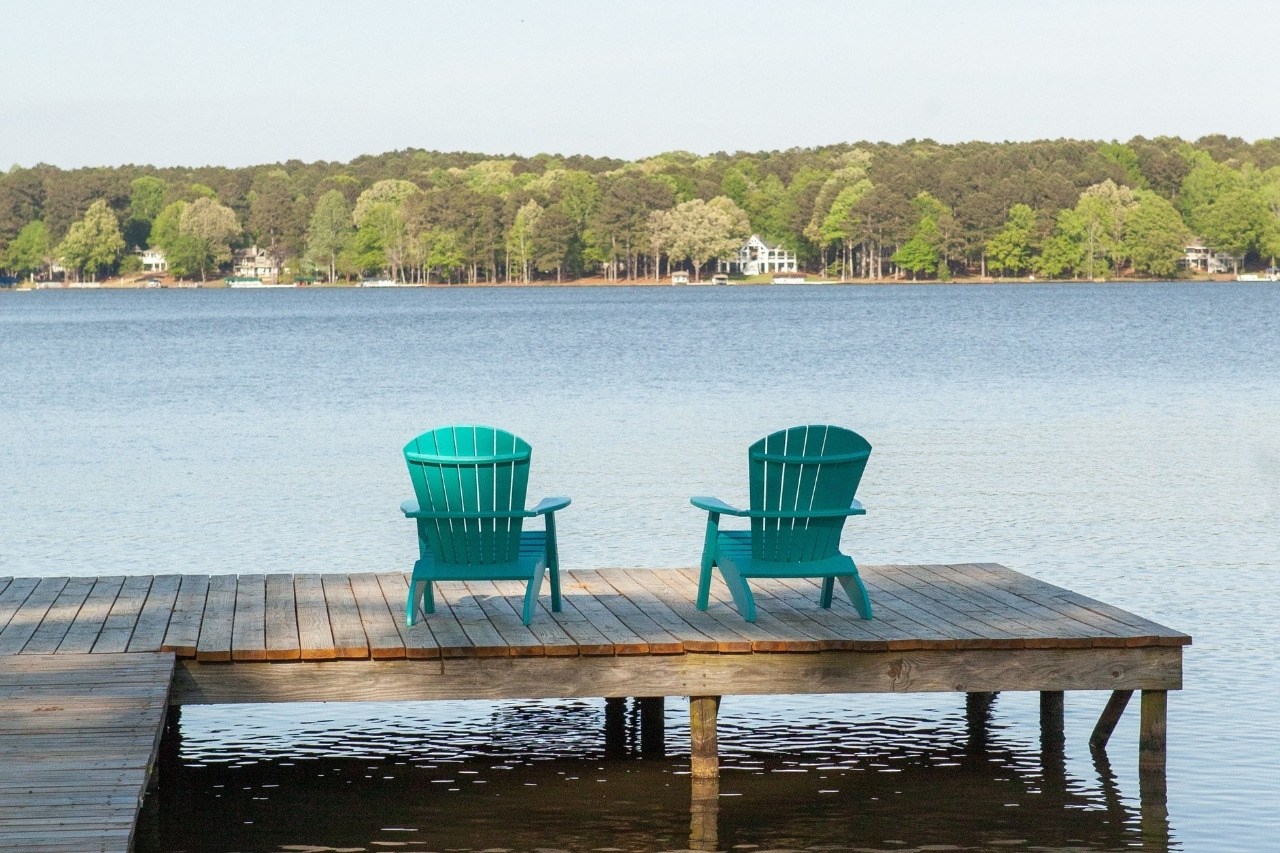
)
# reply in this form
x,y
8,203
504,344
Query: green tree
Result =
x,y
28,251
841,224
553,237
1064,251
1011,250
392,191
146,200
1102,209
1235,222
520,237
166,228
93,244
208,229
329,231
1155,235
273,220
700,230
1203,186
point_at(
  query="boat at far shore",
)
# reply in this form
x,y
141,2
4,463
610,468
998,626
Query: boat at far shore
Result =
x,y
254,282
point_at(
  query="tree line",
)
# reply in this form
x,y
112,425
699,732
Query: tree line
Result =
x,y
919,209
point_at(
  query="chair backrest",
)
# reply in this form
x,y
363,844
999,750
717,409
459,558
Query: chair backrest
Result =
x,y
470,469
803,468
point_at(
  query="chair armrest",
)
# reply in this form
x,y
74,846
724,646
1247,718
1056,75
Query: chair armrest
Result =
x,y
546,506
711,504
411,509
716,505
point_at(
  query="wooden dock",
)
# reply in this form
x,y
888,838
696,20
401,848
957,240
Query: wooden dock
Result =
x,y
973,628
79,737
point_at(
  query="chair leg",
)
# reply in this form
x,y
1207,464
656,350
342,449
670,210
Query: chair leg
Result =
x,y
708,559
410,604
739,590
419,592
828,590
531,594
553,562
857,594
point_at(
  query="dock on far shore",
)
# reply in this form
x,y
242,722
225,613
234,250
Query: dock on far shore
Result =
x,y
976,629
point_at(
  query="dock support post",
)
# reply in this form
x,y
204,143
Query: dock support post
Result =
x,y
615,727
1152,785
1151,734
653,725
704,754
1052,734
704,814
977,713
1109,718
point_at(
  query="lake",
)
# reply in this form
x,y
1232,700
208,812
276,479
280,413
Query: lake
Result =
x,y
1121,440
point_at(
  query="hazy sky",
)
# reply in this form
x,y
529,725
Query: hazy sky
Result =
x,y
186,83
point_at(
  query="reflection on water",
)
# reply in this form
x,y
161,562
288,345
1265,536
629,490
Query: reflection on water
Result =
x,y
538,775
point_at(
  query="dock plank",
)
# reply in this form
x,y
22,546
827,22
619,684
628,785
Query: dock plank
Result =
x,y
281,619
249,629
214,643
153,621
183,633
315,634
375,617
349,640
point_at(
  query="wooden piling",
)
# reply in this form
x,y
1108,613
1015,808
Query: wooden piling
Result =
x,y
1052,724
1151,732
704,750
704,813
615,726
652,725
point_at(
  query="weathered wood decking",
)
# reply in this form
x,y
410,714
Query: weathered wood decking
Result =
x,y
974,628
607,613
78,739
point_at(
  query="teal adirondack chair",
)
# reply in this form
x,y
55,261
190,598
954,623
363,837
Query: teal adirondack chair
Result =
x,y
802,484
470,483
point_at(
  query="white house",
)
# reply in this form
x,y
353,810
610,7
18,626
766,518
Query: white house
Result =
x,y
758,257
254,263
153,260
1198,256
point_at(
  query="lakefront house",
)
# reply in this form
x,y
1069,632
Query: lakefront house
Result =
x,y
759,257
254,263
153,260
1198,256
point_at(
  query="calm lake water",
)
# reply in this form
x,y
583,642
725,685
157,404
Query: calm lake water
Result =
x,y
1121,440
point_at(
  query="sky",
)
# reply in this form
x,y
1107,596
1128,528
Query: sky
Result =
x,y
236,83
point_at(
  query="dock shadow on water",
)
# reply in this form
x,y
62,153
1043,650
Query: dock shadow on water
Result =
x,y
575,776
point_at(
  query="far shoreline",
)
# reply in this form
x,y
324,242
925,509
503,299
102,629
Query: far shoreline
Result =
x,y
220,284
